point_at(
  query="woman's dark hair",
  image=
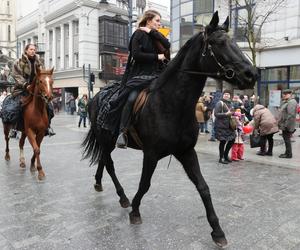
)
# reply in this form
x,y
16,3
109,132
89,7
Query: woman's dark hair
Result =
x,y
148,15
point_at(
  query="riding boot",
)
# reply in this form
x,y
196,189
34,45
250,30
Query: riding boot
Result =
x,y
124,124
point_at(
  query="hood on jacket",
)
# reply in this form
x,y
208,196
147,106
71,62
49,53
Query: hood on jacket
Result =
x,y
258,107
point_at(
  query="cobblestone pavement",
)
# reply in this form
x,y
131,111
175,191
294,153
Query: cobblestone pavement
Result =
x,y
258,205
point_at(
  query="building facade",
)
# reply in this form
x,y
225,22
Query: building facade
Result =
x,y
278,46
7,28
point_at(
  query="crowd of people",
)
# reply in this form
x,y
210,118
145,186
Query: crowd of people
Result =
x,y
231,117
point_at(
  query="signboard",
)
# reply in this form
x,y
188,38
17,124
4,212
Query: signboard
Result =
x,y
274,98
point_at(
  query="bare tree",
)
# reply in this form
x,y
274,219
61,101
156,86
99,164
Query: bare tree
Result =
x,y
250,17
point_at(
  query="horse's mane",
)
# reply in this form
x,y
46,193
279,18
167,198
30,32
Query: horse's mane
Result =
x,y
174,65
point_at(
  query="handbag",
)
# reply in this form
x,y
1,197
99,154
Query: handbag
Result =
x,y
255,139
232,120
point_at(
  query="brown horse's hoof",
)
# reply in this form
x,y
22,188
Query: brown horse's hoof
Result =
x,y
7,157
124,202
221,242
98,187
135,219
41,176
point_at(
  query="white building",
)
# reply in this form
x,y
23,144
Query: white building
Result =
x,y
73,33
7,28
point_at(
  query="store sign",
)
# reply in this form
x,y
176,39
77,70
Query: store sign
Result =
x,y
274,98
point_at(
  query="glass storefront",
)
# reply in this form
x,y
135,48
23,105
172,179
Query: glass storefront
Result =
x,y
279,78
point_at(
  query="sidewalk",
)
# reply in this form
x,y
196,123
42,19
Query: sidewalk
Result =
x,y
207,147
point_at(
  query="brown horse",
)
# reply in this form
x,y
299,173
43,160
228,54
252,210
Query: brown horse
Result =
x,y
35,118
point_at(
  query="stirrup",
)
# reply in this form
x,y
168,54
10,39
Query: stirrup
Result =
x,y
122,140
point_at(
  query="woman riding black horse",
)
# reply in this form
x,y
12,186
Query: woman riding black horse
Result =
x,y
145,62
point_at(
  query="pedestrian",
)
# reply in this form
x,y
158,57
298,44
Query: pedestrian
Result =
x,y
265,122
287,121
72,104
148,63
82,109
223,131
200,109
237,151
24,71
207,113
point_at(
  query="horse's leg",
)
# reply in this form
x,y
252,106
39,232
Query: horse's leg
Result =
x,y
190,163
149,165
6,129
21,147
120,191
39,139
35,141
98,177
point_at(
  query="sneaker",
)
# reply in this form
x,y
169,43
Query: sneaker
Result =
x,y
235,159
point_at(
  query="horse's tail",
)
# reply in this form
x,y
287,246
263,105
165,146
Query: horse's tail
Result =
x,y
91,147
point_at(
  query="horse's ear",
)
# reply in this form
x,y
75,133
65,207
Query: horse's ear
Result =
x,y
225,25
215,20
51,70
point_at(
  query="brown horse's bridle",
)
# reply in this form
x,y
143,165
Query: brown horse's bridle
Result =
x,y
229,73
41,95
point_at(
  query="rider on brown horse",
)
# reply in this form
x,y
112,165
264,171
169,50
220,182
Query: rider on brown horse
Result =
x,y
24,71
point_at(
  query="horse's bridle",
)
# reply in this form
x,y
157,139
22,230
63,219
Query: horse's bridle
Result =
x,y
41,95
229,73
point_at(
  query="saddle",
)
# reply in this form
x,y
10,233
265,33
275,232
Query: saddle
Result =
x,y
140,102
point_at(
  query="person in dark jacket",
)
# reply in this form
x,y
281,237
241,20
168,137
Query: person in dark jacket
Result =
x,y
145,62
287,121
223,132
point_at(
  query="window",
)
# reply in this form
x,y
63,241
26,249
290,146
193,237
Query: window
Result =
x,y
66,61
76,27
203,6
8,33
295,73
76,60
186,29
186,8
113,33
274,74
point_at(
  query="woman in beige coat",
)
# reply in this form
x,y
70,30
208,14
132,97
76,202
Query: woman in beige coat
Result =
x,y
200,109
267,125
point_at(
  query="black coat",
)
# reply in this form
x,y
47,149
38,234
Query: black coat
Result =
x,y
223,131
143,59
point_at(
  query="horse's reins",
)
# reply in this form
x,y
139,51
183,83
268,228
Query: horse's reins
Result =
x,y
229,73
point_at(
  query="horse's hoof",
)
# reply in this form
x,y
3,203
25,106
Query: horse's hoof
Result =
x,y
7,157
124,202
221,242
135,219
22,165
98,187
41,176
32,168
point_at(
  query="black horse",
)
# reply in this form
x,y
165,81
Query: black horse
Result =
x,y
167,124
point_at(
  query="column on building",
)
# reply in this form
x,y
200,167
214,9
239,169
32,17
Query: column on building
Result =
x,y
62,46
71,44
54,47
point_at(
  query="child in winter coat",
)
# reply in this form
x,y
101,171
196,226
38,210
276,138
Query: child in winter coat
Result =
x,y
237,150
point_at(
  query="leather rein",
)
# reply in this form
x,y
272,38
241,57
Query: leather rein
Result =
x,y
229,73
